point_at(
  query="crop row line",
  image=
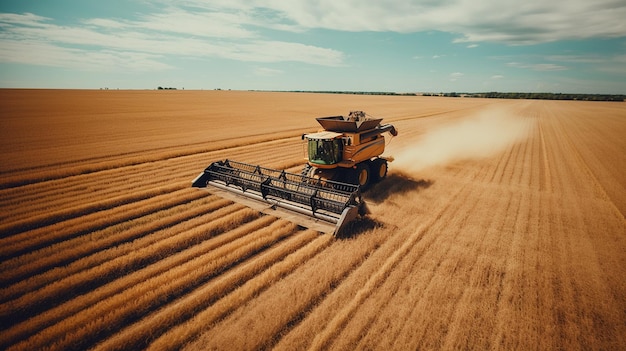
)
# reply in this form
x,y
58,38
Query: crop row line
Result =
x,y
434,264
411,254
75,190
183,333
71,191
122,173
177,313
428,251
298,293
523,252
343,305
81,329
64,231
72,306
85,280
484,275
590,174
522,167
48,218
80,253
29,176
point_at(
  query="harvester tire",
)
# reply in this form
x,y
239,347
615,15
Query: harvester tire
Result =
x,y
379,169
363,175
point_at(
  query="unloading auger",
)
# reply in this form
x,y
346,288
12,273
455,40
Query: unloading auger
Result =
x,y
343,160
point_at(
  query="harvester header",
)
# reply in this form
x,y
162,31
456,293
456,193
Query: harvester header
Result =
x,y
327,205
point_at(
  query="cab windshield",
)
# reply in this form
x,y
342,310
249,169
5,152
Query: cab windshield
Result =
x,y
325,151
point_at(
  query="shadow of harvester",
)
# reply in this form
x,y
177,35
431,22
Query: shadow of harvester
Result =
x,y
395,184
392,184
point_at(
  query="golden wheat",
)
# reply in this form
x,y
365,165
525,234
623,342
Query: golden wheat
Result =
x,y
104,245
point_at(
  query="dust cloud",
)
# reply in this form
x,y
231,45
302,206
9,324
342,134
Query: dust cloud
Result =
x,y
481,135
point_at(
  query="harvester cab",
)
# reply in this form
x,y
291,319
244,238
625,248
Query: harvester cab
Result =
x,y
342,161
348,149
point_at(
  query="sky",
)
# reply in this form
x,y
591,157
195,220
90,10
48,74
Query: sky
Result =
x,y
559,46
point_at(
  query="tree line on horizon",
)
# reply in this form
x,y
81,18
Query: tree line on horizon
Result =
x,y
553,96
489,95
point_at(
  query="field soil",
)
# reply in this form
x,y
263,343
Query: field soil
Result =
x,y
501,225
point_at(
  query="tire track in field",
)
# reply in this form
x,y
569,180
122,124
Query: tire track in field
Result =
x,y
443,265
572,183
521,304
511,166
594,255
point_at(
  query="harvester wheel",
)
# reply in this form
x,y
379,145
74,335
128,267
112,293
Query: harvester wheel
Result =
x,y
363,175
379,169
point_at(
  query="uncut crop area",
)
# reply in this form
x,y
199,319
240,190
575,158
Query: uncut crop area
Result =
x,y
501,225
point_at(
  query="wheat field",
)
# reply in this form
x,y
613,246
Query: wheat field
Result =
x,y
501,225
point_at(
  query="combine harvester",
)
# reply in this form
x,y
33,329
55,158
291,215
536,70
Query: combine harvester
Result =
x,y
343,160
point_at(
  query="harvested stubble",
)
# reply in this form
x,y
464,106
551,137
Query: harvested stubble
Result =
x,y
104,245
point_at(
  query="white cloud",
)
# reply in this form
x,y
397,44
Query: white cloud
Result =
x,y
455,76
612,64
508,21
26,19
105,23
29,52
590,58
278,51
497,76
267,72
537,66
222,25
144,43
234,29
